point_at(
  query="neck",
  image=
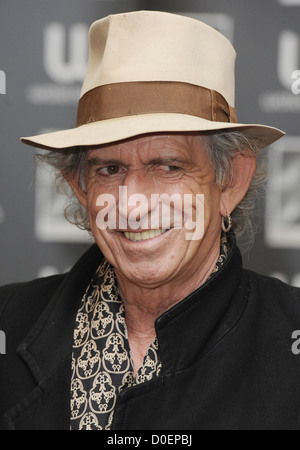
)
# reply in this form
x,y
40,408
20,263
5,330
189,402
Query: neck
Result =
x,y
143,305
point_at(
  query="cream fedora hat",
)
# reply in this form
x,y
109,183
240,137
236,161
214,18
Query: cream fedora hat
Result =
x,y
154,72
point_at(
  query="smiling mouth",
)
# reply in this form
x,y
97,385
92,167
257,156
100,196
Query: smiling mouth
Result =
x,y
144,235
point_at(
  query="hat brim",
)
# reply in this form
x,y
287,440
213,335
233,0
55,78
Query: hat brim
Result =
x,y
118,129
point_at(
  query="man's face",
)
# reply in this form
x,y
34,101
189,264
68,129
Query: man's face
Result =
x,y
165,165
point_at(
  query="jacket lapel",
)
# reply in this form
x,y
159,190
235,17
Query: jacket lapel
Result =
x,y
47,352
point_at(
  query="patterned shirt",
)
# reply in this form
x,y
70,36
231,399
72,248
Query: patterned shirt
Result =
x,y
102,365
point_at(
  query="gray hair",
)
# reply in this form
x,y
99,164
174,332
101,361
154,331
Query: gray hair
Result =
x,y
221,147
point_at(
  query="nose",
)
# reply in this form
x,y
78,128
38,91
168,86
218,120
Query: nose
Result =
x,y
135,201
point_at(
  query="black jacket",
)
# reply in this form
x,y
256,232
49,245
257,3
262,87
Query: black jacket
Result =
x,y
226,355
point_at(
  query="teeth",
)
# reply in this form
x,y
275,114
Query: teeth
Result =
x,y
144,236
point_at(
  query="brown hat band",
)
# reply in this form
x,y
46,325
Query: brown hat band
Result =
x,y
135,98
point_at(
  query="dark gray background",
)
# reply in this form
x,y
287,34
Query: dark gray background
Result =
x,y
266,35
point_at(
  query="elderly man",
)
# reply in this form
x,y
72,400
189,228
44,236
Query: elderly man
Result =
x,y
157,326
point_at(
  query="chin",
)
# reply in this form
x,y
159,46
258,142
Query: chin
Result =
x,y
145,274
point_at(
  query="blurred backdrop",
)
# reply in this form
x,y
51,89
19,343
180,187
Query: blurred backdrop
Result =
x,y
43,57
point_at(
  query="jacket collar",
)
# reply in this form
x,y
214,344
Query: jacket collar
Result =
x,y
50,340
194,326
47,353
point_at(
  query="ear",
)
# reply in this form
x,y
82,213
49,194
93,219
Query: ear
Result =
x,y
233,193
76,188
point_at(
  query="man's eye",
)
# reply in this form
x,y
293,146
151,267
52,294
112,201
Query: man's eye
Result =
x,y
109,170
112,170
169,168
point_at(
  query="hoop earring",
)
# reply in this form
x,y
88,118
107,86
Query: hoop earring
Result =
x,y
227,228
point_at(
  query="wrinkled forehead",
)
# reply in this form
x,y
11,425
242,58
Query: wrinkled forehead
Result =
x,y
184,146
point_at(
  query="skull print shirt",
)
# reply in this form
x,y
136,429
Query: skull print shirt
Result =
x,y
102,365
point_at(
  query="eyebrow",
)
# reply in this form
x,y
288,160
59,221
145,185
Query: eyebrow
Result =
x,y
107,162
167,161
96,161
